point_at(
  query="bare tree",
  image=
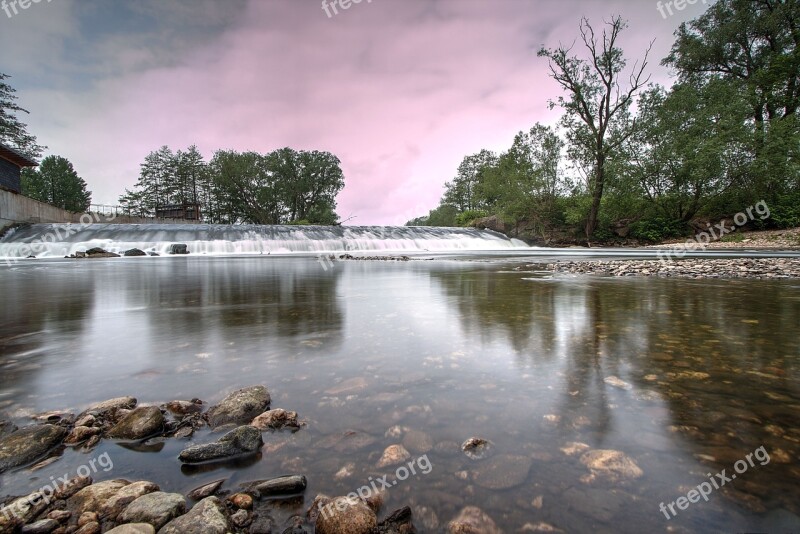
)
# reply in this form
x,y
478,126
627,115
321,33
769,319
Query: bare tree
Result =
x,y
597,118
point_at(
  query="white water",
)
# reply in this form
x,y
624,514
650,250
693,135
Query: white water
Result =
x,y
59,240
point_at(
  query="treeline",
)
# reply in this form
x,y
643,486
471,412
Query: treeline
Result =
x,y
642,160
282,187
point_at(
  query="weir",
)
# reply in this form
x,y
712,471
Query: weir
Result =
x,y
59,240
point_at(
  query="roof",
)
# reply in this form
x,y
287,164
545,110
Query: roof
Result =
x,y
15,157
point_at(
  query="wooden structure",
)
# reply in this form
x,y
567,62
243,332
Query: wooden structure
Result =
x,y
11,164
188,211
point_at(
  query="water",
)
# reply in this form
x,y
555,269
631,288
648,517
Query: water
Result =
x,y
449,348
59,240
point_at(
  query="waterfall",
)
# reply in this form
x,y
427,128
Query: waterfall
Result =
x,y
59,240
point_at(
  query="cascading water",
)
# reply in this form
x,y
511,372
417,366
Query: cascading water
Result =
x,y
59,240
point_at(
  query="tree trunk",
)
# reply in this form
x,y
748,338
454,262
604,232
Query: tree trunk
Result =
x,y
597,195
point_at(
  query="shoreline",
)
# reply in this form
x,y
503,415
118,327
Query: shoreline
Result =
x,y
702,268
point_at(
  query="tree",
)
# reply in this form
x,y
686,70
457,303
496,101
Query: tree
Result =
x,y
597,118
13,132
753,46
56,183
463,192
691,146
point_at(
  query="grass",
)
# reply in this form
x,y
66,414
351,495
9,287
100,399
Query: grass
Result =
x,y
733,238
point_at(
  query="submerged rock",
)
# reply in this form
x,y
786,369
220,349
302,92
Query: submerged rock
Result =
x,y
140,423
393,455
473,520
609,465
206,517
240,407
243,440
275,419
179,407
398,522
287,485
29,444
133,528
502,472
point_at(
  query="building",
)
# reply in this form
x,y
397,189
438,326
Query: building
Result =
x,y
11,164
188,211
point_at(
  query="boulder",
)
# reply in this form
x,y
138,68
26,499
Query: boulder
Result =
x,y
206,490
29,444
43,526
140,423
393,455
106,407
286,485
207,517
243,440
157,508
93,497
345,515
275,419
178,248
240,407
133,528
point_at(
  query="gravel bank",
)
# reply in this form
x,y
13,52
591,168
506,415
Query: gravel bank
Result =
x,y
769,239
760,269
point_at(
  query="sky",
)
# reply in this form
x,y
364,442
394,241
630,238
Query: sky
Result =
x,y
400,90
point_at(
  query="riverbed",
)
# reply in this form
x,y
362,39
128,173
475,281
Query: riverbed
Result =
x,y
684,377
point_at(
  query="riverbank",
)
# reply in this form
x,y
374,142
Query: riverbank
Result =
x,y
759,268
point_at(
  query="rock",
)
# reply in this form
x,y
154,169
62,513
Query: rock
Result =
x,y
393,455
343,515
178,248
86,420
89,528
617,383
240,518
206,517
29,444
609,465
88,517
351,385
111,405
179,407
140,423
115,504
502,472
492,222
157,508
80,434
21,511
240,407
72,486
418,442
477,448
134,252
243,440
92,497
242,501
473,520
43,526
62,516
206,490
275,419
133,528
286,485
398,522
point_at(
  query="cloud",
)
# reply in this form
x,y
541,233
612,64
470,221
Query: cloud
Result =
x,y
401,91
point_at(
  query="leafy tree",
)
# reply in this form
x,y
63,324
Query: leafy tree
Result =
x,y
56,183
597,118
13,132
463,192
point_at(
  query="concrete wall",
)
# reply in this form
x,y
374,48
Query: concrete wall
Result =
x,y
15,208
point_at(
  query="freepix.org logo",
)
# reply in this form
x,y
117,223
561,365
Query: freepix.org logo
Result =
x,y
12,7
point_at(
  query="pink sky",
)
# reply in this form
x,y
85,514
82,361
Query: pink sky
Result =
x,y
399,90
